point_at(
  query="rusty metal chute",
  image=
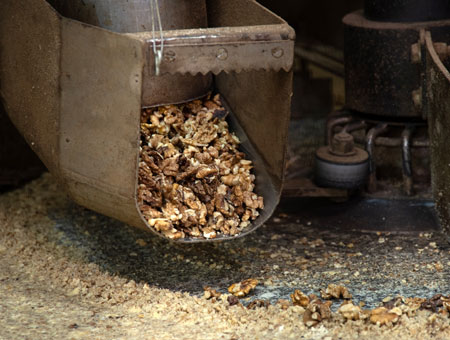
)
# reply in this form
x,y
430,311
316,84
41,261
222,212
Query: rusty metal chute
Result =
x,y
75,92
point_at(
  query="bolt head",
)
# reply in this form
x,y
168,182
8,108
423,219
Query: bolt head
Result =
x,y
222,54
415,53
169,56
416,96
342,144
277,52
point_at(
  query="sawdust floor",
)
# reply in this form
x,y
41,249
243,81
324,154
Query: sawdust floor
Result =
x,y
69,273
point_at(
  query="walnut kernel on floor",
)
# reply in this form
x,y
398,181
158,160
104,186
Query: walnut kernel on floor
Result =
x,y
193,180
65,273
242,289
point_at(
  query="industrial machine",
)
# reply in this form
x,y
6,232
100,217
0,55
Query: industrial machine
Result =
x,y
396,98
375,70
75,76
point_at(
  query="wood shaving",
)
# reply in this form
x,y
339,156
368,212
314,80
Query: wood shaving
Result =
x,y
51,288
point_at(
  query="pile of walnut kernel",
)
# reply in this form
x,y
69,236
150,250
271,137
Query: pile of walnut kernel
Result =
x,y
193,180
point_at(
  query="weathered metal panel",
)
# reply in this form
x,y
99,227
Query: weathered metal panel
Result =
x,y
379,75
131,16
261,102
101,81
127,16
30,42
238,13
437,84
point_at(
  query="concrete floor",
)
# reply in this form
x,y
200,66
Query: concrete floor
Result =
x,y
57,258
292,251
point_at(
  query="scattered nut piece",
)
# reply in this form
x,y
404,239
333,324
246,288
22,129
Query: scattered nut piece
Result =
x,y
141,242
299,298
382,316
433,303
396,310
210,293
351,312
446,302
317,243
390,302
258,304
233,300
432,318
386,299
243,288
412,305
284,304
334,291
316,311
439,266
311,319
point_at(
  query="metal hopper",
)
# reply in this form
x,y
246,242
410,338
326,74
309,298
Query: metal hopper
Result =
x,y
75,92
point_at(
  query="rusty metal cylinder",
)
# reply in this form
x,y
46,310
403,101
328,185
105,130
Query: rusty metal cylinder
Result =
x,y
406,10
131,16
381,77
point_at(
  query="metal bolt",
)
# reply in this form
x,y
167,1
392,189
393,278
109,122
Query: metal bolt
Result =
x,y
417,98
222,54
441,50
342,144
169,56
277,52
415,53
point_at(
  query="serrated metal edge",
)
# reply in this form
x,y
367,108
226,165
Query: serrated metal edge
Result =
x,y
218,70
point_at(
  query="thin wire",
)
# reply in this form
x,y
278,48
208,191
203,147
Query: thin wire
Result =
x,y
135,15
157,53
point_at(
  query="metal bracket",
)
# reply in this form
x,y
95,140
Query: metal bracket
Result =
x,y
436,105
419,56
